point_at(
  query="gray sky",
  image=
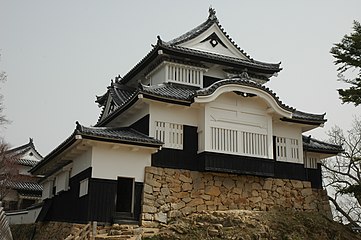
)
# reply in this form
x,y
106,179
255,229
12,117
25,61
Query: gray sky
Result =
x,y
59,54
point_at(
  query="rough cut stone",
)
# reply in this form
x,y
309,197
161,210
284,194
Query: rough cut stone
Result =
x,y
148,189
186,186
160,217
306,192
185,179
297,184
228,183
153,183
176,206
213,191
195,202
165,191
149,209
171,193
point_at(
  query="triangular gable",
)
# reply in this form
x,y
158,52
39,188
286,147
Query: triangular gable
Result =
x,y
210,37
213,40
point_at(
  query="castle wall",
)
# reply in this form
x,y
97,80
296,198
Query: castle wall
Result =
x,y
172,193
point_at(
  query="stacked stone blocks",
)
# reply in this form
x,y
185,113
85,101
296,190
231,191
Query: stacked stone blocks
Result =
x,y
173,193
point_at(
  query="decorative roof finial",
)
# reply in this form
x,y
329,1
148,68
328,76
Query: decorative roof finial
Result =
x,y
30,140
78,126
212,13
159,41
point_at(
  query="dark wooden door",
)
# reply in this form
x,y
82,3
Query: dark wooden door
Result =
x,y
125,195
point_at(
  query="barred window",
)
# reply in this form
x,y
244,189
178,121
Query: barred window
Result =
x,y
169,133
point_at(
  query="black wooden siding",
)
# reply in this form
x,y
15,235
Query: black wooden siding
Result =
x,y
67,206
180,159
208,81
142,125
237,164
98,205
219,162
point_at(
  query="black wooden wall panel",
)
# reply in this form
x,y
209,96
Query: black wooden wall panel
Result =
x,y
142,125
180,159
67,206
102,196
238,164
315,176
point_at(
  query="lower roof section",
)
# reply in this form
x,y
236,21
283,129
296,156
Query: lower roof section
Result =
x,y
58,158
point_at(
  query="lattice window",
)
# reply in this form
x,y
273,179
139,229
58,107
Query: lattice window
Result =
x,y
281,152
185,74
294,149
287,149
310,162
254,144
240,142
169,133
224,139
83,187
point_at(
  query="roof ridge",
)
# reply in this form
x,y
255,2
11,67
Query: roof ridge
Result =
x,y
195,32
243,81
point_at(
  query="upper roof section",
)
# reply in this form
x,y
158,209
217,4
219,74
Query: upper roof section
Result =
x,y
210,36
207,44
27,153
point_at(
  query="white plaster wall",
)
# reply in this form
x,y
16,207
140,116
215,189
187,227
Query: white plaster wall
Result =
x,y
81,163
110,163
173,114
23,170
158,76
31,155
207,47
232,111
23,217
132,115
289,130
216,71
47,189
62,181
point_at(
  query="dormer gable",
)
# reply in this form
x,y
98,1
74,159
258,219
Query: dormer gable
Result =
x,y
210,37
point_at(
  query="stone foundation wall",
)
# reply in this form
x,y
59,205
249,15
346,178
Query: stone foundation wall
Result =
x,y
44,231
172,193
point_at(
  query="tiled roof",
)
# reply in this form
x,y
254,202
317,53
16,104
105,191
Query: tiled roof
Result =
x,y
183,93
272,67
121,93
27,162
124,134
24,148
243,82
212,19
26,186
170,91
298,115
314,145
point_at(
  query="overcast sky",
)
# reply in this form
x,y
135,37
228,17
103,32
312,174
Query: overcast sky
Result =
x,y
59,55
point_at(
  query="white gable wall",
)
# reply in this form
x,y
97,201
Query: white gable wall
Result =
x,y
172,114
109,163
82,162
31,155
233,117
230,51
